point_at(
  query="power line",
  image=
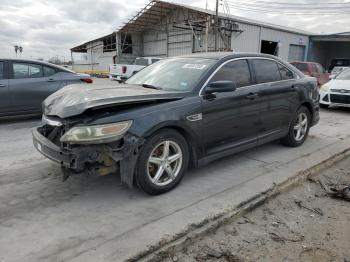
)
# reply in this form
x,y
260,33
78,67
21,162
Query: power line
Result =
x,y
308,8
298,4
290,11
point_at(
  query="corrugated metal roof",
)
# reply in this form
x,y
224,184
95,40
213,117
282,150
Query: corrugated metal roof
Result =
x,y
157,9
82,48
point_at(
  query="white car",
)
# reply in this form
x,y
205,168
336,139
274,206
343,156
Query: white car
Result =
x,y
337,91
337,70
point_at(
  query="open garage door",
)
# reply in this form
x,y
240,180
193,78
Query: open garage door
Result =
x,y
330,50
296,53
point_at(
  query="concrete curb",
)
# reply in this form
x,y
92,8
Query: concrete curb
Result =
x,y
164,247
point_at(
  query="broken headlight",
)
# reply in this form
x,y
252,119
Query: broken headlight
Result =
x,y
96,134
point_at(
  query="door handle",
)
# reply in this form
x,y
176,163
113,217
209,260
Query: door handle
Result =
x,y
1,85
51,80
252,96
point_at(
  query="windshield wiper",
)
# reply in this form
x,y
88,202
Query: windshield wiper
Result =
x,y
151,86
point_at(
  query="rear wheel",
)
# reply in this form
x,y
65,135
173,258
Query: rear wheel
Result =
x,y
299,128
162,162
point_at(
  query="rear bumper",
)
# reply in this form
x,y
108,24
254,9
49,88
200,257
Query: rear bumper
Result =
x,y
118,78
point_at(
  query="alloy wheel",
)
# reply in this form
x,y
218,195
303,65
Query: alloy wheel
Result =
x,y
164,163
300,127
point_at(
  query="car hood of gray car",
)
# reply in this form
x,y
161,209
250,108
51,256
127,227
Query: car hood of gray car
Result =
x,y
73,100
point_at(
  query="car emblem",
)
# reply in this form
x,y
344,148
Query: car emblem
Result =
x,y
196,117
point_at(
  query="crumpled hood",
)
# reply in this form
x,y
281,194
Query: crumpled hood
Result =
x,y
74,99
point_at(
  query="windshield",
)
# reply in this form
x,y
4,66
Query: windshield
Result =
x,y
345,75
175,74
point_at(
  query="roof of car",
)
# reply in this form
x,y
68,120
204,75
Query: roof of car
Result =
x,y
35,61
221,55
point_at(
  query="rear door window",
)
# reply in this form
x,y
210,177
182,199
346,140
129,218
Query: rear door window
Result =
x,y
301,66
2,70
141,61
155,60
286,74
49,71
320,69
266,71
24,70
235,71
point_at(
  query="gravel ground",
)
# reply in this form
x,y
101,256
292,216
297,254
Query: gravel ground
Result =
x,y
285,228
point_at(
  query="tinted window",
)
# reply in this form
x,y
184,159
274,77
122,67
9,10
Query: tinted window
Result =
x,y
285,72
301,66
313,68
155,60
2,73
320,68
27,71
236,71
266,71
49,71
141,61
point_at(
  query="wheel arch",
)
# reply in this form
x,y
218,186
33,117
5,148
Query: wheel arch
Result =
x,y
309,106
190,137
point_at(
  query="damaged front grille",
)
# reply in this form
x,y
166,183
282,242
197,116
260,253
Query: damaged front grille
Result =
x,y
53,133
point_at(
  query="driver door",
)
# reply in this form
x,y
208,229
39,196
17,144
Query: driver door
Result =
x,y
231,119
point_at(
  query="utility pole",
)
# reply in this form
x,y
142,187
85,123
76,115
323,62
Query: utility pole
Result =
x,y
216,24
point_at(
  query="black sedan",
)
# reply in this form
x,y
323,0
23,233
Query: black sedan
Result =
x,y
179,111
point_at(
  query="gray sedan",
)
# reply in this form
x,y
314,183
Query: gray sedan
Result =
x,y
24,84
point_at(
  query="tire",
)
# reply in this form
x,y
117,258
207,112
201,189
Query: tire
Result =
x,y
294,138
324,106
153,175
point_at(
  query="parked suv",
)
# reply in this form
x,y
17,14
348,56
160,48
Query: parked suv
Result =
x,y
313,69
24,84
192,109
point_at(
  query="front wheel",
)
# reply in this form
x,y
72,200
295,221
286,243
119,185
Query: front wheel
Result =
x,y
162,162
299,128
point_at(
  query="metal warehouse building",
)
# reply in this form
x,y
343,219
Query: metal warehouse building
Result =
x,y
164,29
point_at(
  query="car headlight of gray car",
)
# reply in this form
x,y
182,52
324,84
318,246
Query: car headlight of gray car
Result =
x,y
96,134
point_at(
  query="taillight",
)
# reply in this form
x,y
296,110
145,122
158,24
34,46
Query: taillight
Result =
x,y
87,80
124,69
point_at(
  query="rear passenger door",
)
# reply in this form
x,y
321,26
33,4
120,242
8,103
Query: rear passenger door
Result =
x,y
5,99
30,84
278,96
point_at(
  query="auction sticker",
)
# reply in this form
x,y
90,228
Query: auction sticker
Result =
x,y
194,66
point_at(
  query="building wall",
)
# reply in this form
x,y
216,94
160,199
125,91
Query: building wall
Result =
x,y
155,43
250,39
94,60
247,41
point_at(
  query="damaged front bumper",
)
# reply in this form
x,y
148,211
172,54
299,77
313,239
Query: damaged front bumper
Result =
x,y
99,160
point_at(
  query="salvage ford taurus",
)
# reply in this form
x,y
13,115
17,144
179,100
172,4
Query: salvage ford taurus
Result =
x,y
179,111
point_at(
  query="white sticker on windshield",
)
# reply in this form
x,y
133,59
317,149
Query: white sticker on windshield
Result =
x,y
194,66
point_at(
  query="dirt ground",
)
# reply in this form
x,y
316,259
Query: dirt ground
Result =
x,y
303,224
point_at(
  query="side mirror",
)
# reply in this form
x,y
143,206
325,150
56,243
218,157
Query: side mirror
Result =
x,y
221,87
